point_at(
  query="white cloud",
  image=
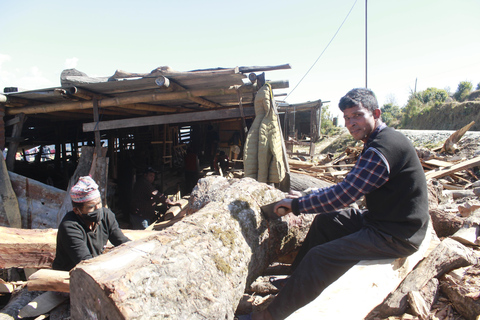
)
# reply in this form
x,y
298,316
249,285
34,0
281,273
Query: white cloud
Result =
x,y
34,79
3,58
71,63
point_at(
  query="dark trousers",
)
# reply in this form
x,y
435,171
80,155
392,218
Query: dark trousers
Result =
x,y
335,242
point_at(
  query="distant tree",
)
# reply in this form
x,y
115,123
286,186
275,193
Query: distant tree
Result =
x,y
391,114
463,90
326,120
413,107
478,86
432,95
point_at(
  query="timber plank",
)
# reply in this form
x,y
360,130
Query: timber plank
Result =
x,y
457,167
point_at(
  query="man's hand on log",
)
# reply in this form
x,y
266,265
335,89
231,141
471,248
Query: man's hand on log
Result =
x,y
294,194
283,207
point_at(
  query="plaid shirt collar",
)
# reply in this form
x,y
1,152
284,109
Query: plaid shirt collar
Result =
x,y
374,135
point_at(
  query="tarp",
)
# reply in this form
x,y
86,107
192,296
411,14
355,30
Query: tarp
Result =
x,y
263,154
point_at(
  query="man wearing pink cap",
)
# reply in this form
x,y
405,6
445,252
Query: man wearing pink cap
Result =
x,y
84,231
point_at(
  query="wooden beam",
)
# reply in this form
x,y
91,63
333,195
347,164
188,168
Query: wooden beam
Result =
x,y
173,86
168,119
264,68
142,98
457,167
151,107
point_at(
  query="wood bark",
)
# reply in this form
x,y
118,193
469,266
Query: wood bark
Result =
x,y
421,302
463,292
197,268
448,255
445,223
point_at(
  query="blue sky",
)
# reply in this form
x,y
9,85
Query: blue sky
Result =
x,y
433,42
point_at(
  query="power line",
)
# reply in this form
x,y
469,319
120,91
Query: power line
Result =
x,y
321,54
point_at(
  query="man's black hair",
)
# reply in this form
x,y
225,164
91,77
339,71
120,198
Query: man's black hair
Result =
x,y
361,97
78,205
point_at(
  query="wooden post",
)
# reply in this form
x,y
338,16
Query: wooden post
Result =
x,y
315,125
13,145
96,119
9,210
2,128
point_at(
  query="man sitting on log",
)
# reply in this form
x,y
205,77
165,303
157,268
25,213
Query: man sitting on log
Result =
x,y
84,231
389,174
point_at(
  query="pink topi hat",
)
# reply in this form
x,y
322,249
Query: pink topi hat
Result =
x,y
84,190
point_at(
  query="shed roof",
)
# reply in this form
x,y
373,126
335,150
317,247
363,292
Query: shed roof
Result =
x,y
125,96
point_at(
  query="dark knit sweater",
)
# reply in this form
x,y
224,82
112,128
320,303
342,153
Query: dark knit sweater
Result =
x,y
76,242
400,206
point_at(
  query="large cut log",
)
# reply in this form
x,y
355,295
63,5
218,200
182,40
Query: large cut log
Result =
x,y
196,269
38,202
35,248
448,255
364,286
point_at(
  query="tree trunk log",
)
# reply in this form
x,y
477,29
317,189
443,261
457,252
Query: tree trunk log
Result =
x,y
197,268
35,248
448,255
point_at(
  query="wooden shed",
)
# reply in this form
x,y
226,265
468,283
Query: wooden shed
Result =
x,y
142,119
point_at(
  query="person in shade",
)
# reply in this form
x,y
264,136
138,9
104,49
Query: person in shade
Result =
x,y
84,231
145,200
389,174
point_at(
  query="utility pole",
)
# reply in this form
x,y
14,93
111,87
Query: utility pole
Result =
x,y
366,60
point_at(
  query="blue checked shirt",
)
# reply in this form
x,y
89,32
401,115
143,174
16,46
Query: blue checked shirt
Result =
x,y
370,172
